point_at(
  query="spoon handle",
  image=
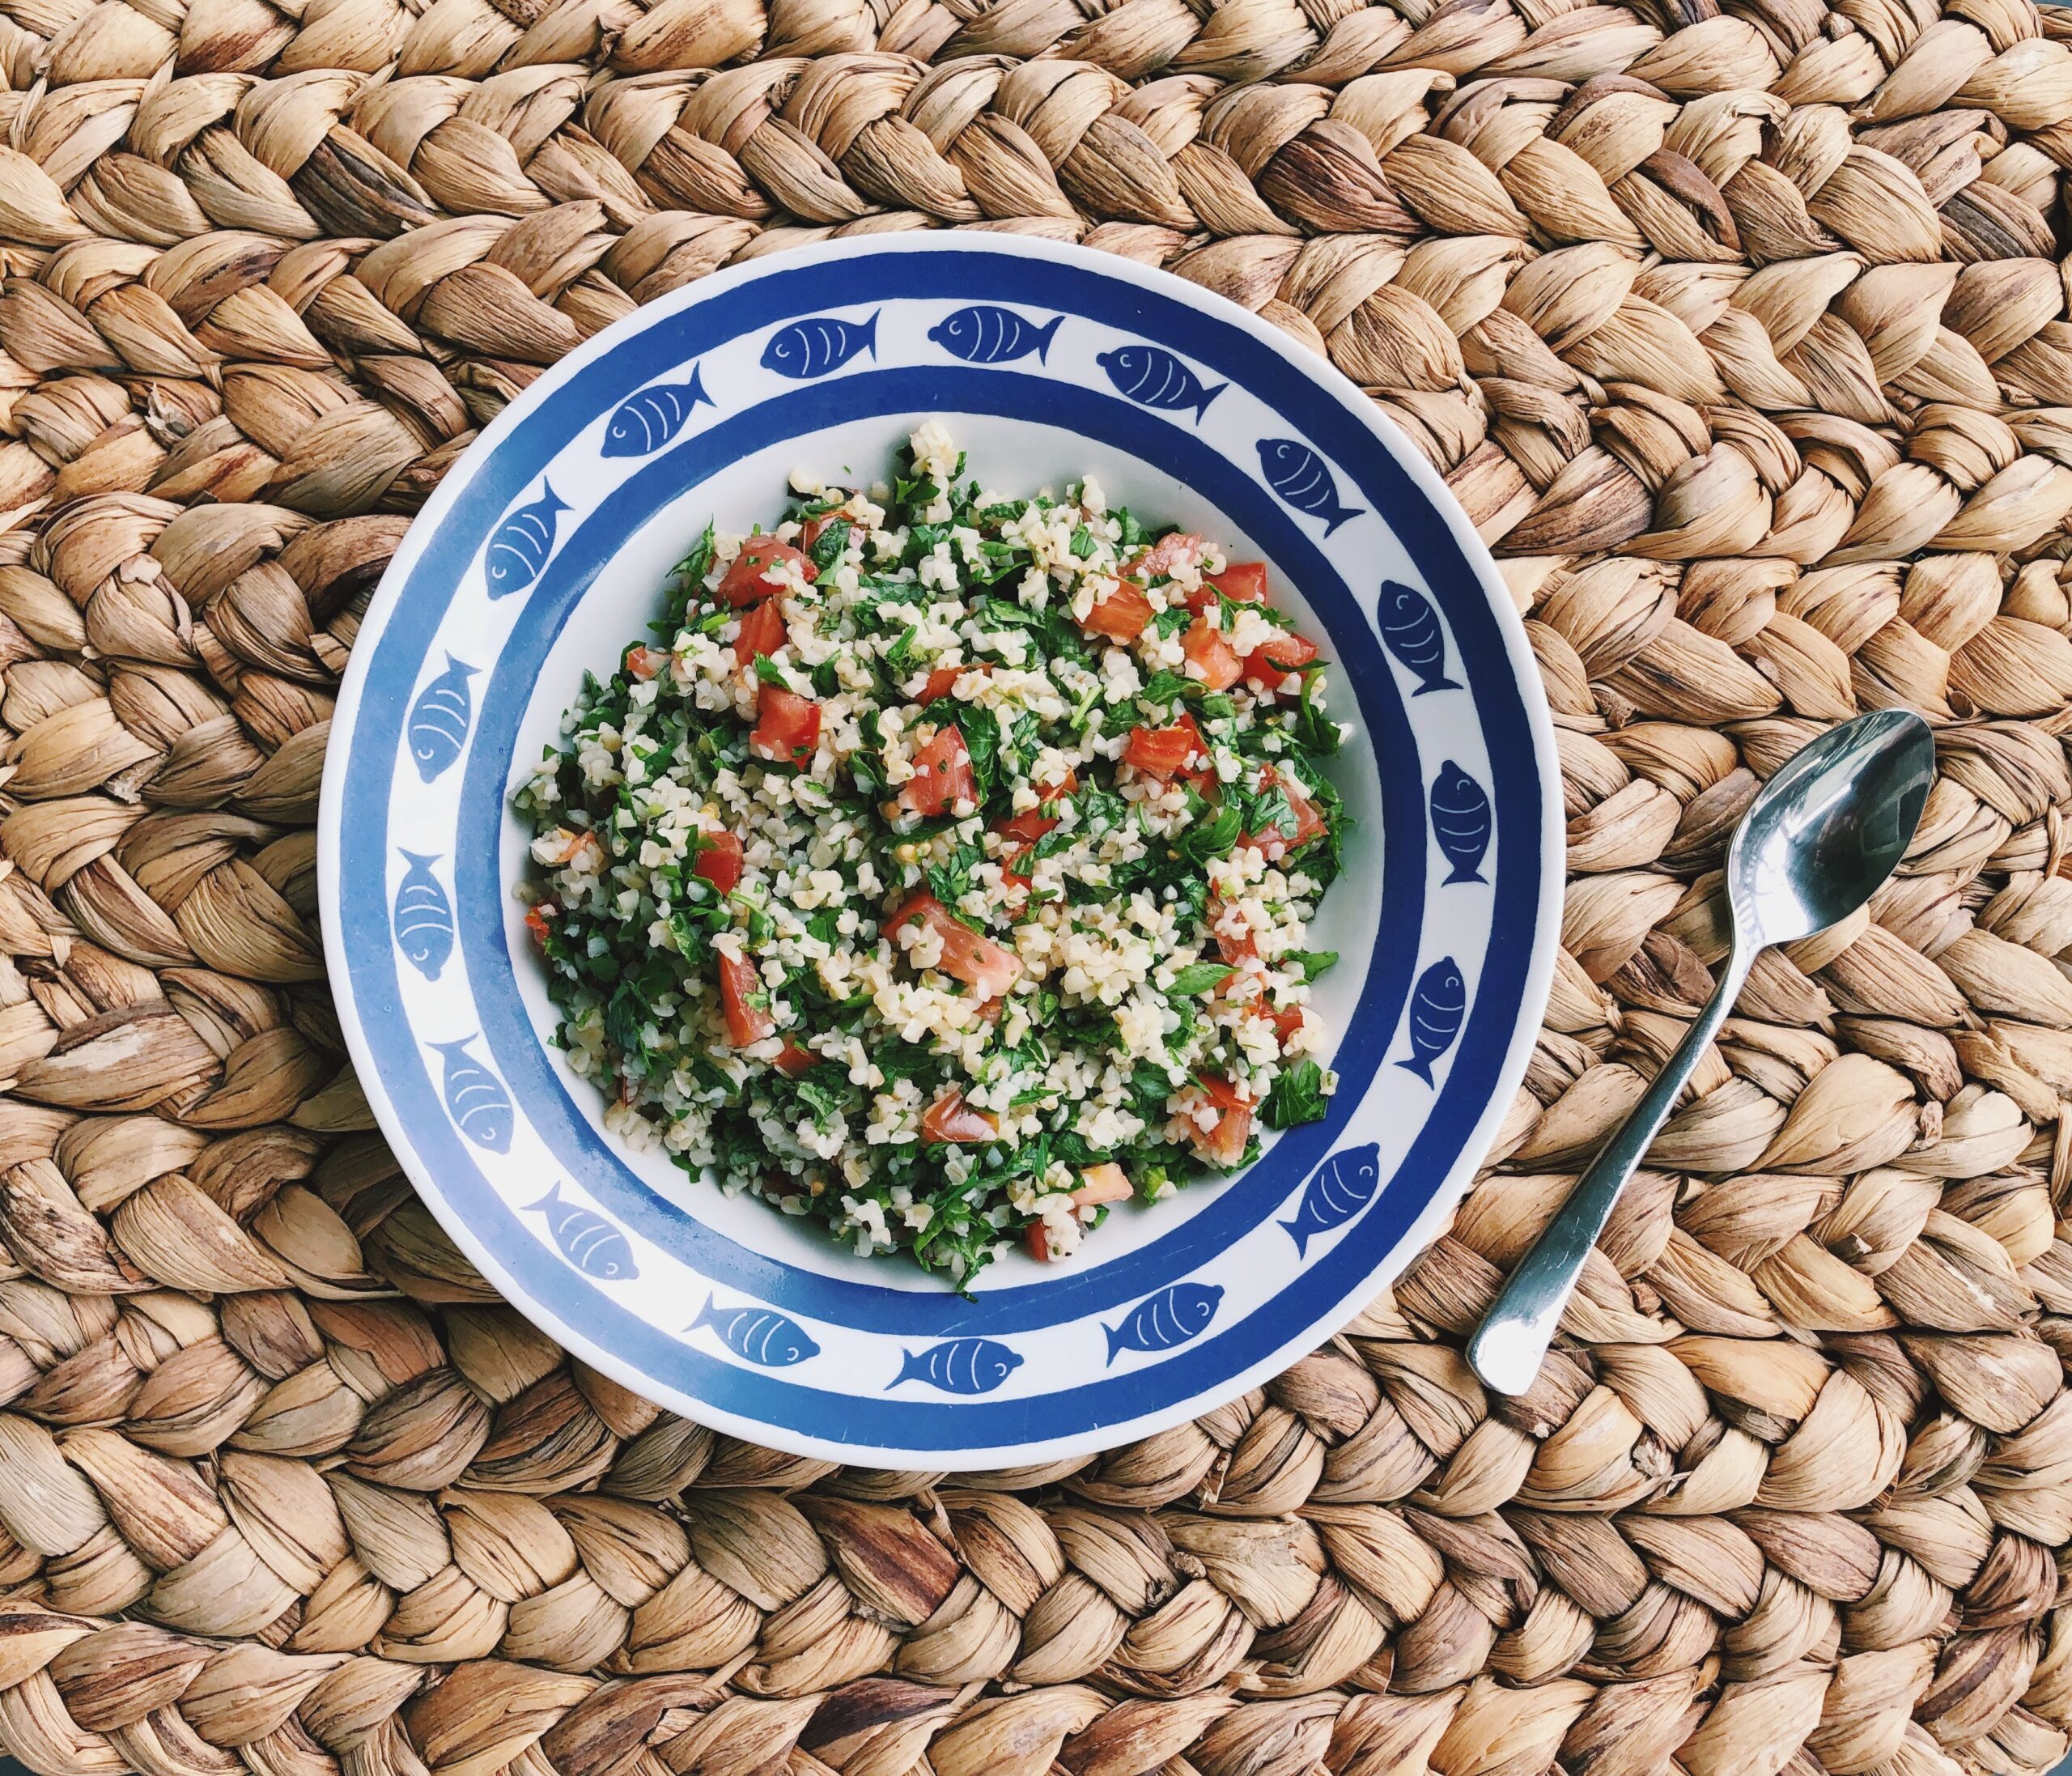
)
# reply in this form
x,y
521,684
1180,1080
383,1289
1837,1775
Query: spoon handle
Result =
x,y
1508,1347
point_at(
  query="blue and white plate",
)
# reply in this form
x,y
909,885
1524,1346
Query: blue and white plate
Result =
x,y
544,550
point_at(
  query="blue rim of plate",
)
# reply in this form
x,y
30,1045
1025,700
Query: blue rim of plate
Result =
x,y
397,663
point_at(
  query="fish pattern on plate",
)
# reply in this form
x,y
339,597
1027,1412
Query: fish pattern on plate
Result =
x,y
644,423
1154,377
807,348
475,1097
985,333
1174,1316
422,916
518,551
1337,1190
1439,1003
760,1336
586,1239
1461,822
958,1366
1410,630
1303,479
440,718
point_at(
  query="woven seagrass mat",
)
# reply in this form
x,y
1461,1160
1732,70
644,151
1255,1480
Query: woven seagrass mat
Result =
x,y
1740,330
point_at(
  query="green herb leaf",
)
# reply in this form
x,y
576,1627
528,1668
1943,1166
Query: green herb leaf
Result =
x,y
829,545
1310,963
1198,977
1297,1096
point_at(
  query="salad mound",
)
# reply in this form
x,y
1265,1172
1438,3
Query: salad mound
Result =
x,y
942,866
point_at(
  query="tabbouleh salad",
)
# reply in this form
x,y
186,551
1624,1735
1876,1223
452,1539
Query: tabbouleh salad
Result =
x,y
942,868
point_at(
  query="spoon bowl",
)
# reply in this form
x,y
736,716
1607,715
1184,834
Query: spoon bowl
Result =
x,y
1821,837
1829,828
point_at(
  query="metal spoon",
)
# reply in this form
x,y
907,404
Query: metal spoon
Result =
x,y
1826,831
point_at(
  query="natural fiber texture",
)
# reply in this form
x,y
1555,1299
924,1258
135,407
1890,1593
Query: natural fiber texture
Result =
x,y
1739,330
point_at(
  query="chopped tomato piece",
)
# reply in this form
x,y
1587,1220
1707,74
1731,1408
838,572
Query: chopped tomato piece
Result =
x,y
1027,828
1232,946
942,774
949,1118
763,631
1175,550
1272,660
1225,1142
642,662
1106,1183
1164,752
795,1062
1121,616
1036,1241
810,532
718,861
741,989
788,726
987,968
1309,823
1243,582
536,918
1215,660
1287,1021
943,680
744,584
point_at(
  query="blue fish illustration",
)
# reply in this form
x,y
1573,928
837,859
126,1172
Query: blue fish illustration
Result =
x,y
1339,1189
984,334
475,1097
959,1365
807,348
1166,1320
1461,822
1437,1004
759,1335
518,547
1153,377
647,421
440,718
1302,478
422,917
587,1240
1410,627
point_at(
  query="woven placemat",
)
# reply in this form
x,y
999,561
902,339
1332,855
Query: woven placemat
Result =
x,y
1738,331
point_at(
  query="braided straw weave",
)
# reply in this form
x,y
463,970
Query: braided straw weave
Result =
x,y
1739,329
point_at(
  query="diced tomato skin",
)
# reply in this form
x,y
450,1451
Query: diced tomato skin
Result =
x,y
1164,752
1122,615
535,920
1106,1183
1026,829
1272,661
1176,549
1287,1021
1309,823
788,726
1225,1143
763,631
942,774
943,680
811,531
718,861
1216,661
1233,947
795,1062
1243,582
987,968
1036,1241
950,1119
643,662
743,583
739,983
